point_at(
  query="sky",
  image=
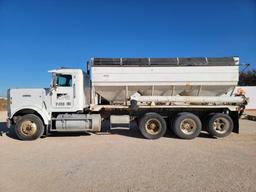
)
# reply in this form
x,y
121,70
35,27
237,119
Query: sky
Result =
x,y
36,35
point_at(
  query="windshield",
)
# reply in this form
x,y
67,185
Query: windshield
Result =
x,y
64,80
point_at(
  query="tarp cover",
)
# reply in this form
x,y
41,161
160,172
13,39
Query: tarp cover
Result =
x,y
193,61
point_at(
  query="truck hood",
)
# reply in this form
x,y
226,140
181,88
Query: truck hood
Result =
x,y
25,99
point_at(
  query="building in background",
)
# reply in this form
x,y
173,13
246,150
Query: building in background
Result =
x,y
250,91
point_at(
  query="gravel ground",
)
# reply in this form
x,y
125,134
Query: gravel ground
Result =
x,y
123,161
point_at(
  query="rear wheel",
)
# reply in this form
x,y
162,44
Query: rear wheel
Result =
x,y
220,125
152,126
29,127
187,126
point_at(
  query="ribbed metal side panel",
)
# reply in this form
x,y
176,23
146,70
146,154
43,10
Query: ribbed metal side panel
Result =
x,y
117,84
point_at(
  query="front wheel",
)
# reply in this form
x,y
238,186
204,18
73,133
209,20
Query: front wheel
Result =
x,y
152,126
29,127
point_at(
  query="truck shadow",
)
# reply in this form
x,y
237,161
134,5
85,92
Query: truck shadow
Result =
x,y
5,130
68,134
134,131
206,135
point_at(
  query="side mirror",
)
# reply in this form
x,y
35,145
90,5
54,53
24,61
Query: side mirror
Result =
x,y
54,84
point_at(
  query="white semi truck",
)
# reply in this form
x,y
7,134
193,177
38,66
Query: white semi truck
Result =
x,y
185,95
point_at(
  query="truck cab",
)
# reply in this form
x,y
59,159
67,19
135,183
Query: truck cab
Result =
x,y
69,92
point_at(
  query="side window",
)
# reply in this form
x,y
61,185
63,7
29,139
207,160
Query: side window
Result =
x,y
64,80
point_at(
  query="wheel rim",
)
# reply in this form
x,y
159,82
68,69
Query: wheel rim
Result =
x,y
153,126
28,128
188,126
221,125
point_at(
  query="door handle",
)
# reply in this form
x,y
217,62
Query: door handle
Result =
x,y
74,90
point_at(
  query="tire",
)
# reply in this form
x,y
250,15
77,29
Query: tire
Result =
x,y
220,125
187,125
29,127
152,126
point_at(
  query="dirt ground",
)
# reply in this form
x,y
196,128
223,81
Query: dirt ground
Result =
x,y
124,161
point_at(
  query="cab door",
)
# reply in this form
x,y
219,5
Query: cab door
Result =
x,y
63,95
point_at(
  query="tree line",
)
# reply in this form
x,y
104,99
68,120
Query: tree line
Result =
x,y
247,78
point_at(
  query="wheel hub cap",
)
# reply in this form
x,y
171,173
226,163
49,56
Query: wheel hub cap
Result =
x,y
220,125
188,126
152,126
28,128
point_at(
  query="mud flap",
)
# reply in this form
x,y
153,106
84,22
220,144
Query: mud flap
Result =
x,y
235,117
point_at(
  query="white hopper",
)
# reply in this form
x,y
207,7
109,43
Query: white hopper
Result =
x,y
117,79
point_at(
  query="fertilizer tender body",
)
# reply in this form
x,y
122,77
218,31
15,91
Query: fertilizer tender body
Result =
x,y
185,95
